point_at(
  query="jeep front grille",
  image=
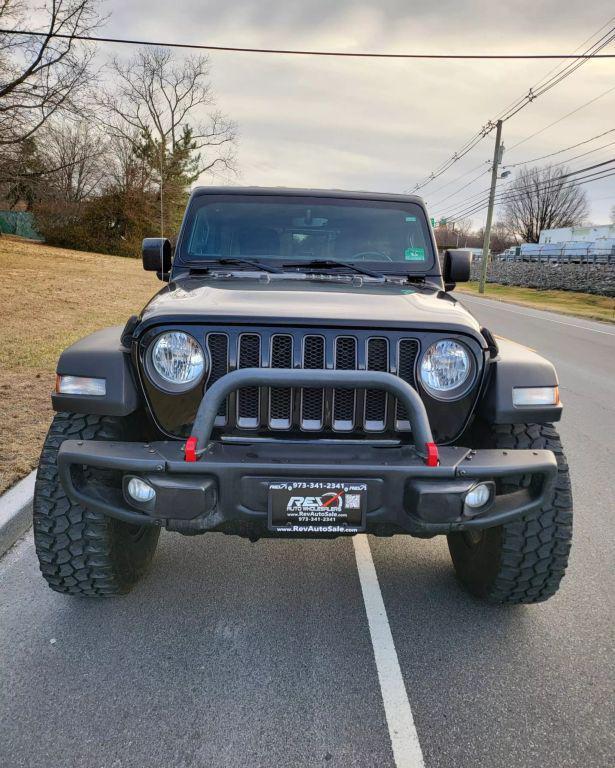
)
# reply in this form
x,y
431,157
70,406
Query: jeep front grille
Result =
x,y
318,410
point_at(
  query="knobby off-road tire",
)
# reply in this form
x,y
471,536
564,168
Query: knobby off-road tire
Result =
x,y
523,561
82,552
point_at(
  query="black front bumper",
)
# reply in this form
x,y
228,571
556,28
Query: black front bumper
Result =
x,y
227,489
208,485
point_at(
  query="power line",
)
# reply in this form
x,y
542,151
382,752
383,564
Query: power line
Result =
x,y
297,52
522,189
578,48
511,196
584,154
567,185
457,191
542,87
518,193
534,92
559,120
467,147
559,151
457,178
469,200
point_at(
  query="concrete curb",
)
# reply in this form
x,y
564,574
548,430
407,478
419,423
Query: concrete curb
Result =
x,y
16,511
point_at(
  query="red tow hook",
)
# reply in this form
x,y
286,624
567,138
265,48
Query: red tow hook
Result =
x,y
190,449
432,459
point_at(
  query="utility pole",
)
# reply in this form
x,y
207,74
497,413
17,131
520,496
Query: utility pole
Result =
x,y
497,159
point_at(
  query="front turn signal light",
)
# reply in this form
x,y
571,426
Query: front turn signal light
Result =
x,y
80,385
528,396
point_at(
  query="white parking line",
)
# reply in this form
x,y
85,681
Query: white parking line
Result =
x,y
404,738
496,303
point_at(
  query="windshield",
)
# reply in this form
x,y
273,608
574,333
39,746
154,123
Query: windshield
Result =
x,y
392,235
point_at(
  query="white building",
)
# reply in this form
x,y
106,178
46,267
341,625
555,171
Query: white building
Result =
x,y
577,234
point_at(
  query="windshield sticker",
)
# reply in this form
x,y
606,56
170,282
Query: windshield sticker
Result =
x,y
410,218
414,254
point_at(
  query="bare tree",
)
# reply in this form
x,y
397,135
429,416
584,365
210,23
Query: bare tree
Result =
x,y
542,198
454,235
155,96
613,215
164,109
462,229
501,238
21,170
66,161
42,76
76,159
128,171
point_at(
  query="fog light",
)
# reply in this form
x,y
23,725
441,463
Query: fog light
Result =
x,y
139,490
478,496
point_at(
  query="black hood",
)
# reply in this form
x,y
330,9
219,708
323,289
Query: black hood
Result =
x,y
307,302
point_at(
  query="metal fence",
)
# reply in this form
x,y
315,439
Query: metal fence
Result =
x,y
579,253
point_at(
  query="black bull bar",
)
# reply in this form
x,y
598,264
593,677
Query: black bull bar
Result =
x,y
279,377
206,484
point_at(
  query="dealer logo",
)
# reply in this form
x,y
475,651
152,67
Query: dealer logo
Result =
x,y
329,501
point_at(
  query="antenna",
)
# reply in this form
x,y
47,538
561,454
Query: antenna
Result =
x,y
161,209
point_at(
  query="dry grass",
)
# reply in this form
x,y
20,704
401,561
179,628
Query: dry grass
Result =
x,y
49,298
567,302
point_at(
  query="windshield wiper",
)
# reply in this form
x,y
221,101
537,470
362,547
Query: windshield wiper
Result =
x,y
422,280
332,264
231,263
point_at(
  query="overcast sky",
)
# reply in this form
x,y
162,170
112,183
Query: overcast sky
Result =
x,y
384,125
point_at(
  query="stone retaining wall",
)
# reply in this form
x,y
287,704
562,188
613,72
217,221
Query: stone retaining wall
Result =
x,y
587,278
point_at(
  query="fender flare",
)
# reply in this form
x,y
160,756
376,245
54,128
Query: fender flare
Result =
x,y
517,366
100,355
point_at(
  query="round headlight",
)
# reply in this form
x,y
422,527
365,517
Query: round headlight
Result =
x,y
447,369
177,360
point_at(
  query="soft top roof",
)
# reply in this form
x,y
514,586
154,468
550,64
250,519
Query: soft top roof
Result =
x,y
341,194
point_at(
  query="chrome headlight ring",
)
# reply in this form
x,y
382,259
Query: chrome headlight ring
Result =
x,y
175,361
447,370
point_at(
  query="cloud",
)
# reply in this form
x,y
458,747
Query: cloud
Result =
x,y
384,125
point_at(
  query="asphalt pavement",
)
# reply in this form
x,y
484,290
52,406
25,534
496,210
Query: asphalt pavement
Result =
x,y
240,654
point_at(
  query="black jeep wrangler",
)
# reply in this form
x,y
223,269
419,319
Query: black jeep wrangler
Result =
x,y
305,372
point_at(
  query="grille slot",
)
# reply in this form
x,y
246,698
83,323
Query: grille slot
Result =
x,y
280,398
344,400
249,356
312,399
312,409
407,352
375,399
217,344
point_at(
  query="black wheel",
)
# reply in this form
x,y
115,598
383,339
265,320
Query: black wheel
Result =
x,y
523,561
82,552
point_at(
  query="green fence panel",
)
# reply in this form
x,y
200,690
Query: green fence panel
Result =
x,y
18,223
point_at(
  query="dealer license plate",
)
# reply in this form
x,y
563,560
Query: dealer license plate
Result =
x,y
311,506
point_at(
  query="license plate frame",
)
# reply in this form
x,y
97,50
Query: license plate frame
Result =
x,y
306,507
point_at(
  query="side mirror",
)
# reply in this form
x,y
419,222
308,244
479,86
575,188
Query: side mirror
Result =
x,y
157,255
456,267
